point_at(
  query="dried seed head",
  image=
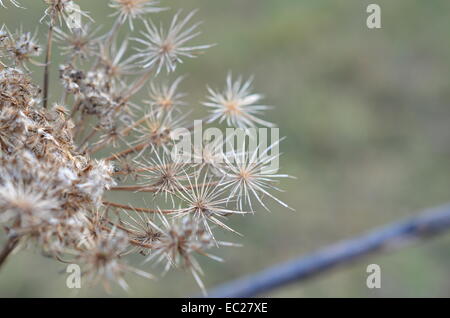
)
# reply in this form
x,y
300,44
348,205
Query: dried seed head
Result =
x,y
26,205
132,9
58,166
22,47
101,258
236,105
163,175
62,11
178,243
16,89
141,229
247,175
159,130
97,178
112,61
165,97
206,202
81,43
167,48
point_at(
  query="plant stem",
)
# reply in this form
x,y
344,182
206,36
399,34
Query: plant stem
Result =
x,y
154,188
129,207
127,151
7,249
429,223
135,188
48,57
138,84
86,139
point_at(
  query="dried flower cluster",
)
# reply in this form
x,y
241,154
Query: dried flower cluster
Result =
x,y
60,164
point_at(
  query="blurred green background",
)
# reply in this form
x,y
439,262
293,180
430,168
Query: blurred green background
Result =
x,y
367,117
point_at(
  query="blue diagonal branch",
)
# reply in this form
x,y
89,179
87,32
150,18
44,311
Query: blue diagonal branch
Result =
x,y
428,223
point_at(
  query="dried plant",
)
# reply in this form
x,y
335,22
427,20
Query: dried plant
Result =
x,y
60,164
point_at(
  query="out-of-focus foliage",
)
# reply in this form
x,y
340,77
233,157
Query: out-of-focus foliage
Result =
x,y
367,117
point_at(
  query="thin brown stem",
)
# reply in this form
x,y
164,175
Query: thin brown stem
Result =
x,y
92,150
132,241
7,249
133,170
137,243
124,132
79,126
129,207
137,85
135,188
87,138
126,152
48,57
127,130
75,109
121,227
153,188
